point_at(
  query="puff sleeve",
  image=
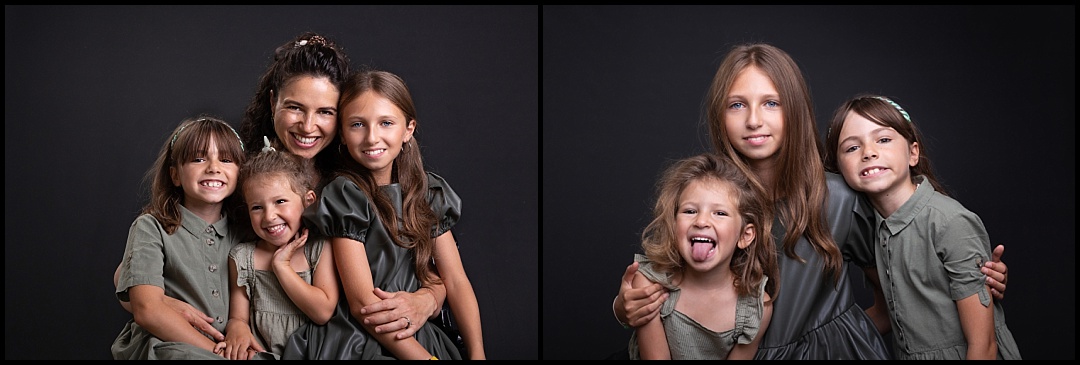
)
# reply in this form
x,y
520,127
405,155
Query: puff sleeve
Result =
x,y
851,219
342,210
444,202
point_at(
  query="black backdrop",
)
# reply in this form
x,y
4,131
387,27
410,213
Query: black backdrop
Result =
x,y
992,88
92,92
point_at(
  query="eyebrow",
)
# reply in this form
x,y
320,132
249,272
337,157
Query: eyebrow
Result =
x,y
875,131
741,97
289,101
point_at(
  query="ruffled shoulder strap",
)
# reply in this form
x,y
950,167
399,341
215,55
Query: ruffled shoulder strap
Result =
x,y
243,255
313,250
444,202
342,210
748,314
646,268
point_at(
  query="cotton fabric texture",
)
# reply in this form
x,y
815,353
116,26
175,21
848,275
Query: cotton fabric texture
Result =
x,y
273,316
190,265
690,340
929,255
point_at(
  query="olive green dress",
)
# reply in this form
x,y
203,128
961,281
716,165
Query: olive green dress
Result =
x,y
344,210
190,265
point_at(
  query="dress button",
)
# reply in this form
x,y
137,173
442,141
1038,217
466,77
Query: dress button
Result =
x,y
213,268
216,293
210,241
209,229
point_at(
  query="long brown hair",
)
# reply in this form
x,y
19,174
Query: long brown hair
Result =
x,y
190,139
799,196
418,221
749,265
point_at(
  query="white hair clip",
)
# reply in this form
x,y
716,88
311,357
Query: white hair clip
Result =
x,y
267,148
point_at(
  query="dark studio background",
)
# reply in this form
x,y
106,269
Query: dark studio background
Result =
x,y
992,89
92,92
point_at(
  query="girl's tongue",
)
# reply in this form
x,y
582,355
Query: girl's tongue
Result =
x,y
702,251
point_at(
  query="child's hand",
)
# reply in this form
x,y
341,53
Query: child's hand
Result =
x,y
284,254
219,348
237,348
240,343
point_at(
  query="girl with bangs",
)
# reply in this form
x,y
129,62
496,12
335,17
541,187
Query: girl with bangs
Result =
x,y
177,247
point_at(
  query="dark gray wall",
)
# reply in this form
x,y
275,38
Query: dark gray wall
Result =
x,y
992,88
92,92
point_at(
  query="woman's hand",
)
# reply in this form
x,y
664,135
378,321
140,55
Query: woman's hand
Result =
x,y
195,317
638,305
401,311
997,274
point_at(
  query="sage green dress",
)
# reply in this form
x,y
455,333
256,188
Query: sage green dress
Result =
x,y
190,265
929,256
273,316
689,340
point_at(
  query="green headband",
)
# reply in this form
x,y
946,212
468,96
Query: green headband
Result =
x,y
895,105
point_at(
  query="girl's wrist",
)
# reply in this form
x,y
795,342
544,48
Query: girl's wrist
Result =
x,y
280,269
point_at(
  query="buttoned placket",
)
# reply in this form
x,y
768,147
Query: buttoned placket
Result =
x,y
211,239
883,236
